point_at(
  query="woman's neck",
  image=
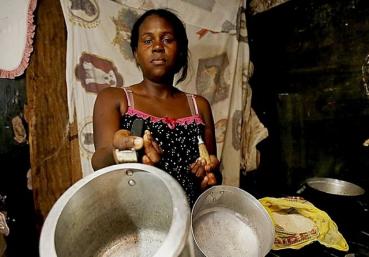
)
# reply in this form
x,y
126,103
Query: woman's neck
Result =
x,y
159,90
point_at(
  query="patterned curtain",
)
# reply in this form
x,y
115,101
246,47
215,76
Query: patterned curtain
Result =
x,y
99,56
258,6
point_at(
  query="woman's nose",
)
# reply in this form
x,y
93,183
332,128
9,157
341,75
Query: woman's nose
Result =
x,y
158,46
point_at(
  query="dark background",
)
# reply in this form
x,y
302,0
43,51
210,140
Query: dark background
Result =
x,y
308,91
16,198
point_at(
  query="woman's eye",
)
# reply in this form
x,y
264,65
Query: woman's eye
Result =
x,y
147,41
167,40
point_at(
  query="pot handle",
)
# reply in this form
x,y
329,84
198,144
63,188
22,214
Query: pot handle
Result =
x,y
301,189
363,206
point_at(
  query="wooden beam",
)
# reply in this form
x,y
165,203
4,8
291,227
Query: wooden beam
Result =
x,y
54,152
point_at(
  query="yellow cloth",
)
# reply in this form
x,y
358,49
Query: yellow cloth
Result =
x,y
298,223
2,245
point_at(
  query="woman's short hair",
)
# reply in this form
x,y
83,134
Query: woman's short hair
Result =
x,y
179,33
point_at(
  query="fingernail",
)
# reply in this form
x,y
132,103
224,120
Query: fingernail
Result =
x,y
138,141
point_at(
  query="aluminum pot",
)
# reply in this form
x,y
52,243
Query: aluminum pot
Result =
x,y
324,191
126,210
228,221
334,186
345,202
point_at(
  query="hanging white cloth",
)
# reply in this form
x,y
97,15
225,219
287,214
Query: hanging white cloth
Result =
x,y
16,36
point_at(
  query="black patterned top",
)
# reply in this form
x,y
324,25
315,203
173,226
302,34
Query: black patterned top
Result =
x,y
178,140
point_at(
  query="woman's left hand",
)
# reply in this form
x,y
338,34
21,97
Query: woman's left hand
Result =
x,y
204,171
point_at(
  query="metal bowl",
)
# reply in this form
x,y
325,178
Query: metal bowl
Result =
x,y
127,210
228,221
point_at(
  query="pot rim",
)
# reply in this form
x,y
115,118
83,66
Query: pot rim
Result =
x,y
181,221
250,197
315,182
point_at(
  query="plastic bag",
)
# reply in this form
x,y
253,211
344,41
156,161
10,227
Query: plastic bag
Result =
x,y
298,223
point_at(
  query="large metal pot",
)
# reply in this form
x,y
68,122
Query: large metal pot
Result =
x,y
334,186
228,221
127,210
343,201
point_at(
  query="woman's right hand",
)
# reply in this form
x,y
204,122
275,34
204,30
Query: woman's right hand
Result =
x,y
123,140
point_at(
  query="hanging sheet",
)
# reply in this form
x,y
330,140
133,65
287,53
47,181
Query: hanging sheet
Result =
x,y
99,56
16,36
258,6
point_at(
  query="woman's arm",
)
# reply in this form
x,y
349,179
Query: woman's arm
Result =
x,y
209,132
108,107
209,172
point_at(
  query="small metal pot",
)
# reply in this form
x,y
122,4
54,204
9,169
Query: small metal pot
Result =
x,y
130,210
228,221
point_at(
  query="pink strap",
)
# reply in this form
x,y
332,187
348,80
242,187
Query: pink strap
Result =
x,y
195,104
192,104
129,96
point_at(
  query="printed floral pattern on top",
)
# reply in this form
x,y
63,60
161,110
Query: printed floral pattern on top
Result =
x,y
178,140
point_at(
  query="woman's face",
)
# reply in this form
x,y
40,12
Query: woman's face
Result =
x,y
156,51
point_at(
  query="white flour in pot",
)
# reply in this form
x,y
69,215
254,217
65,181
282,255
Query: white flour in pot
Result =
x,y
220,232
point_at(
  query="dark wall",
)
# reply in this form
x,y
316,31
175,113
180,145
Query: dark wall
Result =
x,y
308,91
17,200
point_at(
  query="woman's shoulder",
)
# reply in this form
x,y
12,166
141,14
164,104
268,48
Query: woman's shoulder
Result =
x,y
201,101
111,96
112,93
199,98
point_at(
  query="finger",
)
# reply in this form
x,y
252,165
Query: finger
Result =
x,y
214,163
200,171
192,165
128,142
146,160
147,139
153,154
204,183
195,166
157,147
123,133
211,179
152,150
117,142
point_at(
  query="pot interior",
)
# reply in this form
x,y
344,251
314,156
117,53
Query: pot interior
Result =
x,y
335,186
120,213
228,221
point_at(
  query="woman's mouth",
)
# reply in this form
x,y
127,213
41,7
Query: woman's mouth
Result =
x,y
158,61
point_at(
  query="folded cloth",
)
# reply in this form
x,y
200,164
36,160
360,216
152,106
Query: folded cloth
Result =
x,y
298,223
4,229
2,246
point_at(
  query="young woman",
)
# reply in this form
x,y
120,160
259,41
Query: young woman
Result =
x,y
173,118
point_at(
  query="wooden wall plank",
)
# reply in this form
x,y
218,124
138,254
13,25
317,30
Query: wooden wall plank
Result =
x,y
54,151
